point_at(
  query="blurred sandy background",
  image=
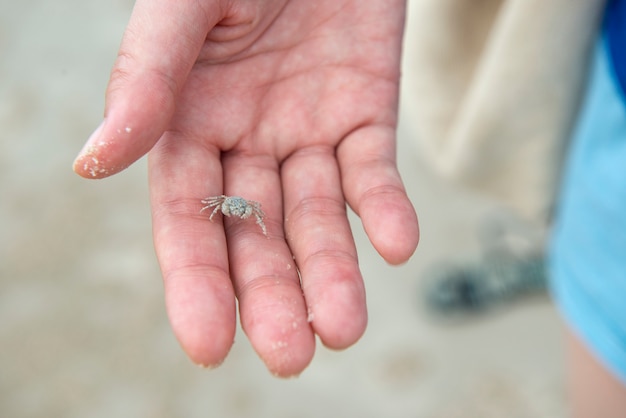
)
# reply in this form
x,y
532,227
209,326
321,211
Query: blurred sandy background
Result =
x,y
83,331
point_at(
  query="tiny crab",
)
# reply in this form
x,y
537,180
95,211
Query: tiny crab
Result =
x,y
235,206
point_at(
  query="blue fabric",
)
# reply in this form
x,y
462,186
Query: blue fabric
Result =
x,y
588,249
616,37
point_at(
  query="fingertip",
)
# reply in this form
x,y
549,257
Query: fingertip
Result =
x,y
205,347
336,304
286,361
95,162
88,163
203,358
124,136
280,334
285,352
392,226
202,315
108,151
339,333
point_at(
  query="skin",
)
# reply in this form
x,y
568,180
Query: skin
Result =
x,y
593,390
289,103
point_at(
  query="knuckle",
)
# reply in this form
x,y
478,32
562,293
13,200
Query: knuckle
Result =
x,y
316,207
381,192
129,68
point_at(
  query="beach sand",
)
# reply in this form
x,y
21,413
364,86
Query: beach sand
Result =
x,y
83,328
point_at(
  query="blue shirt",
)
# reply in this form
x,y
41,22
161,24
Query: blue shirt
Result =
x,y
588,249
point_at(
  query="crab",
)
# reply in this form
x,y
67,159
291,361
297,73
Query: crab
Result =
x,y
235,206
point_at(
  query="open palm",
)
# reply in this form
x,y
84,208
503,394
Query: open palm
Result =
x,y
289,103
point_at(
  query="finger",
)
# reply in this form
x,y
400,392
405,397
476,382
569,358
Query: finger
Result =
x,y
192,250
319,235
271,304
159,48
373,188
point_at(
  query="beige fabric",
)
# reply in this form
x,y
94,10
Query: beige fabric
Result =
x,y
493,89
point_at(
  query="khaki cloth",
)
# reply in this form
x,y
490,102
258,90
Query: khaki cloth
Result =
x,y
493,89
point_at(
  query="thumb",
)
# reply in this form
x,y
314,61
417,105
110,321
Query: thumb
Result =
x,y
159,48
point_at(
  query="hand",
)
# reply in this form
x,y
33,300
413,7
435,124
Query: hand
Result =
x,y
289,103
